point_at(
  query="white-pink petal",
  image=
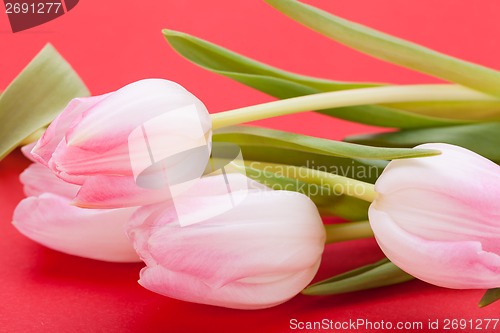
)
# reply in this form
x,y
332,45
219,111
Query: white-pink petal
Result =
x,y
460,264
117,192
50,220
246,295
37,180
42,151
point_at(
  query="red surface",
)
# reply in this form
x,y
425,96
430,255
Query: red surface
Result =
x,y
111,43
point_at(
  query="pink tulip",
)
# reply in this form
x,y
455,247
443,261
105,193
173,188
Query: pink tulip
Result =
x,y
438,218
117,145
259,254
48,218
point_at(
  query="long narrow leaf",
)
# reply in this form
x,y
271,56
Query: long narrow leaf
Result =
x,y
36,96
389,116
268,137
223,61
380,274
391,49
483,138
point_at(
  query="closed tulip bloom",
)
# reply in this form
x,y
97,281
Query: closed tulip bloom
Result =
x,y
108,144
259,254
438,218
48,218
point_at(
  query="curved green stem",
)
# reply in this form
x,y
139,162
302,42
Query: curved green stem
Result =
x,y
341,232
353,97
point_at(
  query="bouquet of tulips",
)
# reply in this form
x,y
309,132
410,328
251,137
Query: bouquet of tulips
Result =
x,y
231,215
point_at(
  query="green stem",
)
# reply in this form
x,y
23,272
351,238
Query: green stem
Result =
x,y
353,97
347,231
338,184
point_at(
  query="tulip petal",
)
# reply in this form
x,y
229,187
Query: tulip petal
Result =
x,y
26,150
459,172
222,257
459,264
237,295
284,229
74,164
37,179
97,234
117,192
441,217
42,151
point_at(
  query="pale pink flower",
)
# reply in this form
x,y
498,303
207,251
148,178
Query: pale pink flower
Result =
x,y
259,254
114,145
438,218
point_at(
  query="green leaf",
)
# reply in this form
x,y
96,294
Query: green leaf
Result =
x,y
267,137
225,62
363,170
36,96
388,116
491,296
380,274
391,49
282,84
482,138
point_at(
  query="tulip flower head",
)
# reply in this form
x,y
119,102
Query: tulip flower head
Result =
x,y
438,218
113,145
259,254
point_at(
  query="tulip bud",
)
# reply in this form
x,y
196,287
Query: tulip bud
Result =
x,y
256,255
47,217
116,145
438,218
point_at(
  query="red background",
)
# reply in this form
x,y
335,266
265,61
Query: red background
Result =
x,y
111,43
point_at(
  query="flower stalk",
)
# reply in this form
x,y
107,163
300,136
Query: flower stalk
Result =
x,y
341,232
345,98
